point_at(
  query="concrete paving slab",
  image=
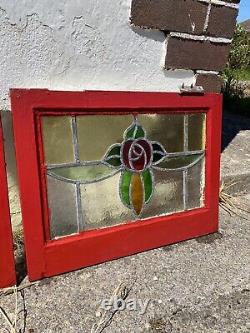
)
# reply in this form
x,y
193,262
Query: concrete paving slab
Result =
x,y
201,285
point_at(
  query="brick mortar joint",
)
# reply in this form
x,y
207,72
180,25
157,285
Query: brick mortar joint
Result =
x,y
221,3
201,38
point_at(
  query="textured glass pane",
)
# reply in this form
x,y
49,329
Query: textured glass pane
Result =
x,y
166,129
168,194
62,208
97,133
102,206
57,139
195,185
196,131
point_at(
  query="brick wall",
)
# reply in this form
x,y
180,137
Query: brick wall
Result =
x,y
198,34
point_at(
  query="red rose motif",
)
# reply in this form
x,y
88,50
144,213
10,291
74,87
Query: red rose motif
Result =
x,y
137,154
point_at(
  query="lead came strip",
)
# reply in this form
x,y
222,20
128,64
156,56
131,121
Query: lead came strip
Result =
x,y
78,186
185,173
79,207
75,140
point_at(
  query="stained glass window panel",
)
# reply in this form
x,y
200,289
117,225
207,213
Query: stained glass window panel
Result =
x,y
106,170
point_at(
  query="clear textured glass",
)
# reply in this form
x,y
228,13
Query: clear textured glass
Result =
x,y
166,129
62,208
97,133
57,139
102,206
195,185
196,131
167,195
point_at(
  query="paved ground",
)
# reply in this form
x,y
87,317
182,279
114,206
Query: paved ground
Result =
x,y
198,286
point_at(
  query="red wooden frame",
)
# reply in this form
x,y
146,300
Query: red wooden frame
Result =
x,y
50,257
7,262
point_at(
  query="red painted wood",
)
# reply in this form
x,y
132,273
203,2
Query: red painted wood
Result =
x,y
7,263
47,258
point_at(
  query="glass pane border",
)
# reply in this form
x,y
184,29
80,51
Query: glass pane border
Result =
x,y
46,257
7,263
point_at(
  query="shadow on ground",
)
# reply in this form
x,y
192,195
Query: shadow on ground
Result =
x,y
232,124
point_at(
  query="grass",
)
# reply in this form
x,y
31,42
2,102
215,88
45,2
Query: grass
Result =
x,y
244,74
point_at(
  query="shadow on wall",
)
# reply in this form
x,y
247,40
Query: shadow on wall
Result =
x,y
9,145
155,35
11,170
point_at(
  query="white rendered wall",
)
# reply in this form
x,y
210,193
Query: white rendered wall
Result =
x,y
77,45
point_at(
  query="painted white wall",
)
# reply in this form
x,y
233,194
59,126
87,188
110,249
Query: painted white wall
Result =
x,y
77,45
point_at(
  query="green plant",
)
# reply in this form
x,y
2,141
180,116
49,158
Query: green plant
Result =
x,y
239,57
238,62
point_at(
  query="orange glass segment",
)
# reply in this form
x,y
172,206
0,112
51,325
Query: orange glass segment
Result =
x,y
137,192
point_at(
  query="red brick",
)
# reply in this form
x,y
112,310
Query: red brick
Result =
x,y
222,21
193,54
170,15
210,82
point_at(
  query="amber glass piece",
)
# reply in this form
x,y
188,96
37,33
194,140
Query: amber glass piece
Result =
x,y
137,196
97,133
197,131
168,129
57,139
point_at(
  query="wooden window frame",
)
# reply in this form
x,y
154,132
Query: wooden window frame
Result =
x,y
47,257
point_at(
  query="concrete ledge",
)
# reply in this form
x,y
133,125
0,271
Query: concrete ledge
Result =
x,y
237,184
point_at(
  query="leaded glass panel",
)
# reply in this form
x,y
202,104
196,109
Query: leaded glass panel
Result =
x,y
105,170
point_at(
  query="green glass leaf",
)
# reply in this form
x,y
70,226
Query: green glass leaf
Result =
x,y
157,157
112,157
82,173
114,150
157,147
125,186
148,184
171,163
114,161
135,131
159,152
